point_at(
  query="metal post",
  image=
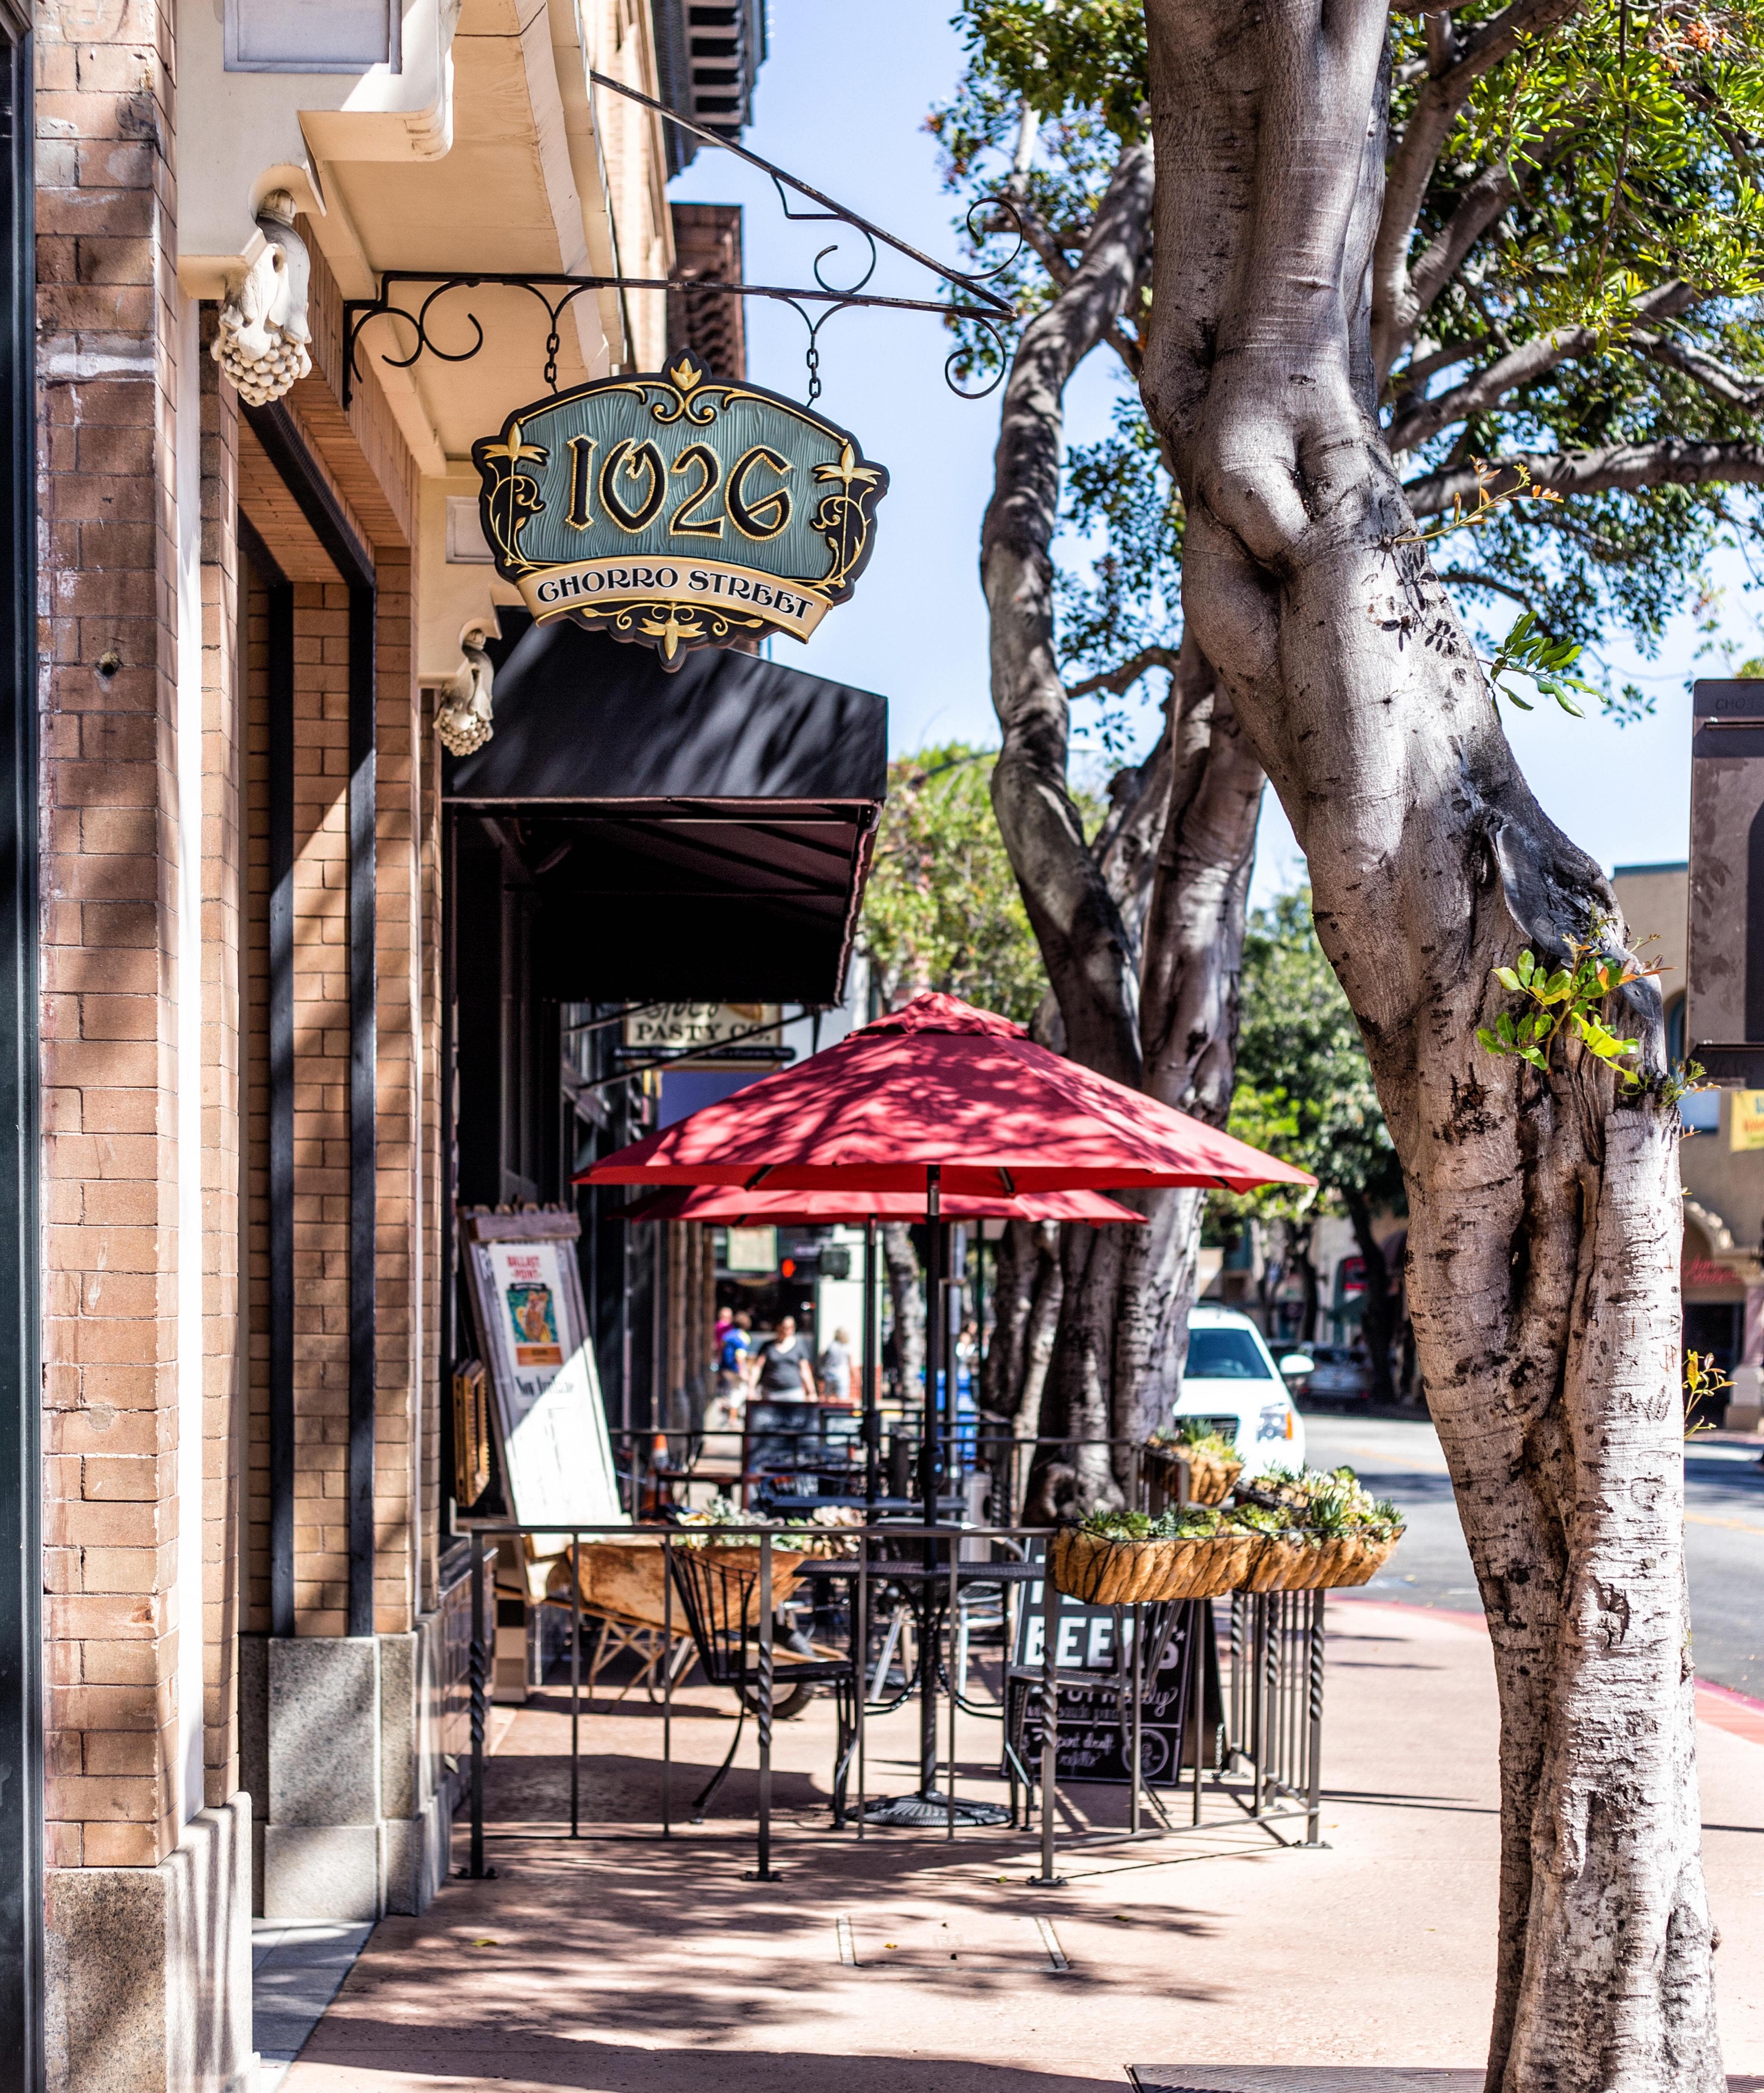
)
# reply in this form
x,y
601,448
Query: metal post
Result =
x,y
926,1605
476,1868
1134,1769
667,1687
934,1347
955,1681
860,1645
1200,1627
576,1685
872,1406
1050,1727
1259,1687
763,1873
1315,1785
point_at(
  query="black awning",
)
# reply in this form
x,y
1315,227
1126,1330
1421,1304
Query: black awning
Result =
x,y
703,835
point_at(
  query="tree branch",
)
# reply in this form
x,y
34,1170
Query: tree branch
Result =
x,y
1437,109
1726,383
1416,420
1623,468
1116,680
1077,922
1480,204
1474,577
1050,250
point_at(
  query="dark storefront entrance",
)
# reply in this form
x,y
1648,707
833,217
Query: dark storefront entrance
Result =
x,y
630,836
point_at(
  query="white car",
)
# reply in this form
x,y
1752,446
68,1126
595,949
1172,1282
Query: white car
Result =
x,y
1232,1384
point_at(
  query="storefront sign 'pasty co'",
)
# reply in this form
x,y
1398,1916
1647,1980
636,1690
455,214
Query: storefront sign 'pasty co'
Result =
x,y
677,509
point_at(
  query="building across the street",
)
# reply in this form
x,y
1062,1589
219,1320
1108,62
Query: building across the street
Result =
x,y
331,883
1721,1161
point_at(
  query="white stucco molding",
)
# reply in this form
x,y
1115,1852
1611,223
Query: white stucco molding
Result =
x,y
249,133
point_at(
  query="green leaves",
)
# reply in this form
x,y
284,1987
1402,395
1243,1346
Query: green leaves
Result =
x,y
942,909
1563,999
1304,1085
1528,651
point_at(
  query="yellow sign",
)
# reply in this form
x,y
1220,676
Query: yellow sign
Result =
x,y
1745,1124
620,592
673,1028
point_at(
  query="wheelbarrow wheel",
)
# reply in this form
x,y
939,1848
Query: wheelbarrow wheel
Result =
x,y
787,1700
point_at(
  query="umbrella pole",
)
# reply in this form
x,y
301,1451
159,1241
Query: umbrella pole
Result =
x,y
933,1342
871,1407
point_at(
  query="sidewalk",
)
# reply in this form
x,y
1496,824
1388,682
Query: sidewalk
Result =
x,y
627,1966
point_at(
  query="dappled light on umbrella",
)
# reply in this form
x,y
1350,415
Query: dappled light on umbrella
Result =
x,y
940,1085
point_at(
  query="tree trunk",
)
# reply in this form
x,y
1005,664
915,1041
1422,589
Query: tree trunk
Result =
x,y
1375,1316
1300,1237
906,1292
1077,924
1168,876
1544,1209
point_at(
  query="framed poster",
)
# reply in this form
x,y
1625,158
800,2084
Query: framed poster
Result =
x,y
549,1422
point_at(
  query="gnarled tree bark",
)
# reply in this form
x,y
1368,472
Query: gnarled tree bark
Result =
x,y
1544,1222
1142,928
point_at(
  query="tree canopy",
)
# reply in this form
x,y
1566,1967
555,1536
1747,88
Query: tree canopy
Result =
x,y
1565,315
941,909
1304,1084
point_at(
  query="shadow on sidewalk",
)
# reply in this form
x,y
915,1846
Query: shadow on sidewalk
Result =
x,y
615,2068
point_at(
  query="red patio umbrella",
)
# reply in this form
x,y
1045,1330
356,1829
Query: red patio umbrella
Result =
x,y
953,1100
942,1093
723,1203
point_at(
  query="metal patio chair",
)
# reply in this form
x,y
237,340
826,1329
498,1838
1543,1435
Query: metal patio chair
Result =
x,y
721,1602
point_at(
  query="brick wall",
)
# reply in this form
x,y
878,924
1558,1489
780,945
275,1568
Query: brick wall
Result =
x,y
109,652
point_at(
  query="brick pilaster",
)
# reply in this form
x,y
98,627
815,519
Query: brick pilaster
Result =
x,y
107,356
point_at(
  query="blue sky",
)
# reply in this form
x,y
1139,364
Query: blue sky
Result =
x,y
842,102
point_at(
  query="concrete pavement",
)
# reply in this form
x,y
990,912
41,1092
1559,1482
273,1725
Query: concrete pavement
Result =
x,y
907,1965
1723,1532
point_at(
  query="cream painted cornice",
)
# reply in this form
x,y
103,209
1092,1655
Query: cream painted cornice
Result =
x,y
245,134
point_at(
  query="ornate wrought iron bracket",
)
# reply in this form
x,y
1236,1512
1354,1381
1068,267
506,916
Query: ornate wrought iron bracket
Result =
x,y
975,301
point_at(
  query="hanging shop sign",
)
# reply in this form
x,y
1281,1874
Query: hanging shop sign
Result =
x,y
677,511
676,1028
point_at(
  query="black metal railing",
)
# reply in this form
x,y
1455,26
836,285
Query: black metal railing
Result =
x,y
1271,1707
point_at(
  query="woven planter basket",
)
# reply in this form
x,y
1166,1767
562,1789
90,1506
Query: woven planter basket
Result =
x,y
1128,1573
1112,1573
1361,1559
1303,1563
1209,1481
1281,1563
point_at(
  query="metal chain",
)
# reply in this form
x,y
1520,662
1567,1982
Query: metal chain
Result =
x,y
814,372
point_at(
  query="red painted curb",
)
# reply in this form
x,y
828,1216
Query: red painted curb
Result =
x,y
1721,1707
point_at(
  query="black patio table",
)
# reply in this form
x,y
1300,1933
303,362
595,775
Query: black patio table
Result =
x,y
934,1587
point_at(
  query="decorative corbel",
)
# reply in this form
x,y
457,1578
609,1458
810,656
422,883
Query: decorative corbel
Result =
x,y
462,721
263,330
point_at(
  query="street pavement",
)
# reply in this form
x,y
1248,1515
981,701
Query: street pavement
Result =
x,y
626,1963
1723,1533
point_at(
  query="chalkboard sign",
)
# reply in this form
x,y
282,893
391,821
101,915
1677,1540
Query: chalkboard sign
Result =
x,y
1093,1740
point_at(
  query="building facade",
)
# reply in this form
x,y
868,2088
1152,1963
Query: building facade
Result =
x,y
251,609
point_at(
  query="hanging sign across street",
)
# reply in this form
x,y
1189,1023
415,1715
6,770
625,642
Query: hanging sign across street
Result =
x,y
677,511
